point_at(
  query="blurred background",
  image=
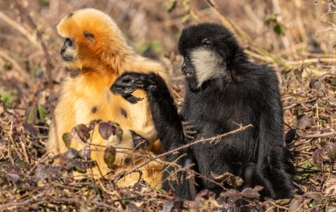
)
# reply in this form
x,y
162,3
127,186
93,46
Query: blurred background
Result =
x,y
296,37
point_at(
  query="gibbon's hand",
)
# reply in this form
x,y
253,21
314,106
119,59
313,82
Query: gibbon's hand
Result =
x,y
189,130
128,82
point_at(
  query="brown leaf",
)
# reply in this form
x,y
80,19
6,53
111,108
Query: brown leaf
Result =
x,y
222,176
319,156
83,132
304,122
79,166
330,150
314,195
232,194
235,181
93,123
84,154
250,193
15,178
258,188
168,206
71,153
296,203
109,156
30,129
105,130
330,186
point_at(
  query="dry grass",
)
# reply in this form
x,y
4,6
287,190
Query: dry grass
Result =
x,y
31,71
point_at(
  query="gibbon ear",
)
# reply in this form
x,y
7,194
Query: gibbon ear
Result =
x,y
88,36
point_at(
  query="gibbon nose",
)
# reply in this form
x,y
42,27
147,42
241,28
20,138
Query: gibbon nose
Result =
x,y
63,50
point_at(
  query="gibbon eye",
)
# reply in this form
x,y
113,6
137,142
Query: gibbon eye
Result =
x,y
183,67
69,42
206,42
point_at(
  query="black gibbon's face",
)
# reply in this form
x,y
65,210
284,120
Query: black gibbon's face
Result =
x,y
206,48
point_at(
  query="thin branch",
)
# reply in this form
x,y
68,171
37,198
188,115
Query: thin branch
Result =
x,y
49,65
241,128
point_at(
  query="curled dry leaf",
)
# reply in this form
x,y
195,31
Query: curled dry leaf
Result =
x,y
168,206
109,156
41,172
330,186
93,123
319,156
258,188
250,193
330,150
235,181
79,166
84,154
304,122
221,177
71,154
30,129
15,178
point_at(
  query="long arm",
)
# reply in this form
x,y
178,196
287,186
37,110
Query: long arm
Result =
x,y
166,120
271,152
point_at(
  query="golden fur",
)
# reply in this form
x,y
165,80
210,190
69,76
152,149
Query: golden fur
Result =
x,y
98,60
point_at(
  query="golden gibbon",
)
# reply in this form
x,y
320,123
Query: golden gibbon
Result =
x,y
95,54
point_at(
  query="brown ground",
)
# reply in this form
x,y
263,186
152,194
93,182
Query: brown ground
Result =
x,y
29,61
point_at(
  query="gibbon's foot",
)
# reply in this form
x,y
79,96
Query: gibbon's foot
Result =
x,y
189,130
138,141
128,82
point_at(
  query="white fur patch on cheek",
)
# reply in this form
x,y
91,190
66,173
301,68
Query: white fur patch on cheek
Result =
x,y
207,65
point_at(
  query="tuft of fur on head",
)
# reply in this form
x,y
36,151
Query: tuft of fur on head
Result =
x,y
211,48
97,40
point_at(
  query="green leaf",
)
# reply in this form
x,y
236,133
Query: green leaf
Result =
x,y
172,5
31,115
7,99
280,29
271,18
41,112
66,137
185,18
109,156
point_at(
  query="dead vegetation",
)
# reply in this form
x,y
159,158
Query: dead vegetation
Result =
x,y
296,37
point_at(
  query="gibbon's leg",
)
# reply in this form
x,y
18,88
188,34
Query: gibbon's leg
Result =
x,y
167,123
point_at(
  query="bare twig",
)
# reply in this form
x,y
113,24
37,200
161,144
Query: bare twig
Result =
x,y
49,65
241,128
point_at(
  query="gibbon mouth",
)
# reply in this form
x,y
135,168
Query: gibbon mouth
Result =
x,y
67,58
187,74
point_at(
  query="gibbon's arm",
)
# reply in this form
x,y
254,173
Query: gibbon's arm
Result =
x,y
271,150
165,116
166,120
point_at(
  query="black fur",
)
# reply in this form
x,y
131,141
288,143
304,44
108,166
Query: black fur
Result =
x,y
237,92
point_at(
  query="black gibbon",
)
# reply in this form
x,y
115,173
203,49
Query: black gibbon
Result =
x,y
95,53
223,89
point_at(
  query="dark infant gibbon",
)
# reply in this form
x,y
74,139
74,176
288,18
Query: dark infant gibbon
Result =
x,y
223,90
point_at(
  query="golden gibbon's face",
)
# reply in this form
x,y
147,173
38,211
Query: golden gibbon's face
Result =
x,y
68,50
